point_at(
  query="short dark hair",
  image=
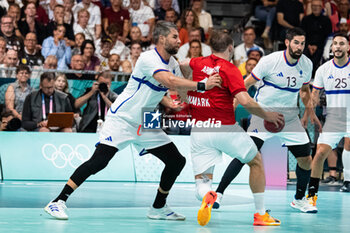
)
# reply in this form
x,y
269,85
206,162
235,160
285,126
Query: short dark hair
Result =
x,y
21,67
292,32
220,40
249,28
105,74
55,26
340,34
49,76
114,28
162,29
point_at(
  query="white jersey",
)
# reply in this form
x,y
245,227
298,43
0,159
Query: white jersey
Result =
x,y
335,81
143,91
281,82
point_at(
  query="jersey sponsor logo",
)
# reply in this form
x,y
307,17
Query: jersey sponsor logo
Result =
x,y
280,74
209,70
200,102
330,77
151,120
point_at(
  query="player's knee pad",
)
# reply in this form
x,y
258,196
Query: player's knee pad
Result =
x,y
176,162
100,159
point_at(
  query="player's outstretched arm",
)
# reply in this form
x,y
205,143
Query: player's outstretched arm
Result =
x,y
254,108
309,113
173,82
249,81
186,68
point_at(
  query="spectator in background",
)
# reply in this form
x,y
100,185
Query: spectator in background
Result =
x,y
9,122
30,24
265,11
126,66
317,27
41,15
205,19
195,34
98,98
61,84
79,39
240,54
30,55
68,17
114,62
135,35
189,20
117,15
195,49
39,104
249,66
104,54
94,24
289,15
118,47
135,52
171,16
11,61
57,46
15,12
81,25
155,4
254,53
88,50
18,91
143,17
2,49
50,62
7,31
58,19
162,7
342,12
77,63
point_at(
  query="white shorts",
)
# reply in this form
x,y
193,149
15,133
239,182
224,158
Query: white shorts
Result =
x,y
117,132
292,134
207,147
332,132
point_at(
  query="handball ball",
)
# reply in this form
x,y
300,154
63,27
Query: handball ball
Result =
x,y
271,127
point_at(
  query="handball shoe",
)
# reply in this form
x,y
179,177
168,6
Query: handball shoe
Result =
x,y
57,209
265,220
304,205
164,213
217,203
204,212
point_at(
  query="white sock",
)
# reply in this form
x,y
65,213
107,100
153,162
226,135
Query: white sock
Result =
x,y
346,164
202,187
259,203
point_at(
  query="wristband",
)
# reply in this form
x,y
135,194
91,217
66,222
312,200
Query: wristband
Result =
x,y
200,86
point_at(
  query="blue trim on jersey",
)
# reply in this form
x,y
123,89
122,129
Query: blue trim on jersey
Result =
x,y
159,70
285,58
281,88
138,88
340,67
150,85
317,88
255,76
337,92
257,92
165,62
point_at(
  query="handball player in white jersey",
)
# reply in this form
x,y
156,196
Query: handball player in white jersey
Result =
x,y
334,77
154,73
282,75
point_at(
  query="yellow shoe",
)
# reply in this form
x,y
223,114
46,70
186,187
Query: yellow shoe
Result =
x,y
204,212
312,199
265,220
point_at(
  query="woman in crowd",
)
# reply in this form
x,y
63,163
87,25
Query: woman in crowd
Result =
x,y
82,25
18,91
195,49
189,20
88,50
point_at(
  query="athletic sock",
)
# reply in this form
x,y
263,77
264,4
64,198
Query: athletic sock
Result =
x,y
231,172
66,192
160,200
313,186
259,203
303,177
346,164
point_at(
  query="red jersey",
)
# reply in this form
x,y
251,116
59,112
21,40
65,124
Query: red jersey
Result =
x,y
217,103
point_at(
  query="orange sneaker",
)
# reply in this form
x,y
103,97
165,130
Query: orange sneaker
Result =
x,y
312,199
265,220
204,212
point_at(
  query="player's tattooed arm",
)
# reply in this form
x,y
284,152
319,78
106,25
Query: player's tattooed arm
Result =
x,y
186,69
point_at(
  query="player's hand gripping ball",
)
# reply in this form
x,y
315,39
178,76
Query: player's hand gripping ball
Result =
x,y
271,127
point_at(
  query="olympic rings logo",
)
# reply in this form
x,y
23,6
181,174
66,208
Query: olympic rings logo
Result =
x,y
66,155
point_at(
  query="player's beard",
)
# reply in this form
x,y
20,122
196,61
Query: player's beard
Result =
x,y
341,55
172,50
294,55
